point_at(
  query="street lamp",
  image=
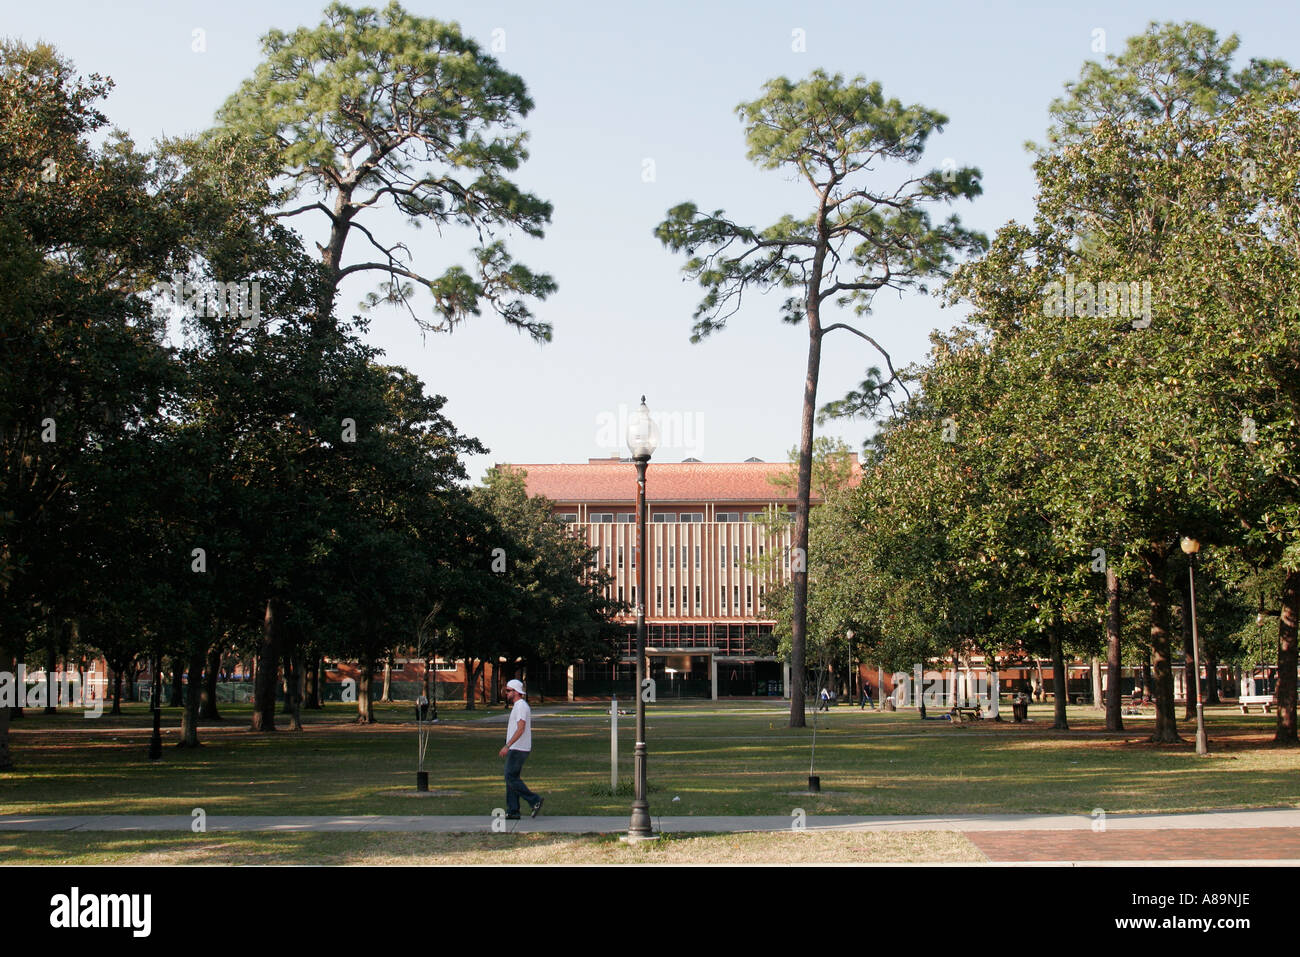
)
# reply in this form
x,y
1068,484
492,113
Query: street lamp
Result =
x,y
1190,547
642,440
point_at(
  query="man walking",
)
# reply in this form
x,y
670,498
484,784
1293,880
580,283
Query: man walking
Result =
x,y
519,742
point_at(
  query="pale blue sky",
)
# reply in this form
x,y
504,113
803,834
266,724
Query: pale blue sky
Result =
x,y
615,87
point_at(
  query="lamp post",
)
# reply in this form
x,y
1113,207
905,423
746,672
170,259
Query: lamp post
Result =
x,y
642,440
1190,547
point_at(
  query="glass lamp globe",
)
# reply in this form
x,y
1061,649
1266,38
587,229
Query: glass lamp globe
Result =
x,y
642,433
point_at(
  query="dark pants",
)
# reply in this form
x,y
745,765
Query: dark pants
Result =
x,y
515,788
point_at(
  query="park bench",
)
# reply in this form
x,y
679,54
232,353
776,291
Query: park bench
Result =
x,y
960,714
1265,700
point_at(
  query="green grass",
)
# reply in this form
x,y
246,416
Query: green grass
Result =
x,y
713,759
334,848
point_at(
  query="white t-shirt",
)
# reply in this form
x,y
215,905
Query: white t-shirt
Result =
x,y
520,712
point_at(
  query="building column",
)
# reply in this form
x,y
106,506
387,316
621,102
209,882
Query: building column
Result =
x,y
568,680
713,674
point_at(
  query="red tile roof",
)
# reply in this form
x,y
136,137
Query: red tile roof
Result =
x,y
611,480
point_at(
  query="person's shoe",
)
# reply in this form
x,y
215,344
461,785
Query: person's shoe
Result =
x,y
537,807
512,817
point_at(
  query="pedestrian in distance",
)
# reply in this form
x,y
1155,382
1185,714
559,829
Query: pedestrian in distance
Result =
x,y
826,700
519,744
866,697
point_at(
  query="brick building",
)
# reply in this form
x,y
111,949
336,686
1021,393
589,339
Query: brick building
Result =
x,y
718,536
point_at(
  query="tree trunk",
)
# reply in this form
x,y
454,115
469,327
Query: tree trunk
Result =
x,y
365,709
51,669
1094,675
6,759
471,679
190,712
178,687
117,691
268,657
428,664
1286,660
1190,676
311,684
293,688
1146,676
1166,730
1060,684
208,700
1114,671
387,695
803,493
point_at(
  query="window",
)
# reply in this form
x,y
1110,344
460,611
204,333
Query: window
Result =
x,y
635,549
442,664
620,556
659,556
722,555
727,517
598,517
787,558
697,556
735,555
753,516
620,592
760,551
735,595
634,596
685,555
696,517
697,597
665,516
672,598
749,553
659,596
749,596
672,557
607,551
627,517
566,516
723,599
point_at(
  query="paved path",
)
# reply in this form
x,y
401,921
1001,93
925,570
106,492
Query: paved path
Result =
x,y
1280,823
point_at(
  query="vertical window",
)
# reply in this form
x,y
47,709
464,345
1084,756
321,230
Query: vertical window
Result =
x,y
620,592
672,598
749,553
735,555
659,556
607,563
749,596
672,557
685,553
697,556
697,597
722,555
659,596
620,556
635,549
735,595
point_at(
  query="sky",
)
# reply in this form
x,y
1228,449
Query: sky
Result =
x,y
635,113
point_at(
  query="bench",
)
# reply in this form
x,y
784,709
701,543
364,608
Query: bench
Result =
x,y
960,714
1267,701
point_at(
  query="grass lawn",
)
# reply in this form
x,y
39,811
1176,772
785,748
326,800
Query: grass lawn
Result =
x,y
705,758
351,848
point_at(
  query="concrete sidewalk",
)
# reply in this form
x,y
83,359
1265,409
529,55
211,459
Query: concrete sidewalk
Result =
x,y
484,823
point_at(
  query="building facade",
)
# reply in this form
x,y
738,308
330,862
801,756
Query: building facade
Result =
x,y
718,536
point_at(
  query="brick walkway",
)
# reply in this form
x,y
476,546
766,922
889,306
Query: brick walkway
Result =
x,y
1173,844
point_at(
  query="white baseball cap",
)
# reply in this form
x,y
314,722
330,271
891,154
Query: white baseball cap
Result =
x,y
515,685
